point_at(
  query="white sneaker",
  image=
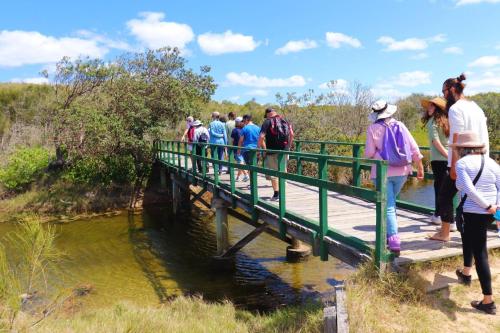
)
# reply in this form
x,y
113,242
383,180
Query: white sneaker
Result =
x,y
237,179
245,179
436,219
453,227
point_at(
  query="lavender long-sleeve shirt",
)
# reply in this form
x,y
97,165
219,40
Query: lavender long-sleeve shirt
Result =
x,y
374,143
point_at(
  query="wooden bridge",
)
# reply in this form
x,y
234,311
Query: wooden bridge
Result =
x,y
347,221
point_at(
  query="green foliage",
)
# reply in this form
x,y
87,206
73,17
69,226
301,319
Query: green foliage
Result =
x,y
23,167
32,245
102,170
490,103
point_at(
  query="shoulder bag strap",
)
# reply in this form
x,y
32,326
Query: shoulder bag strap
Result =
x,y
462,202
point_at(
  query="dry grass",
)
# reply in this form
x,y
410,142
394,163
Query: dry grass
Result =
x,y
398,303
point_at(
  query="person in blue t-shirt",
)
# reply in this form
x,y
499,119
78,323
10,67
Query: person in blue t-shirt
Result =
x,y
249,137
235,135
218,135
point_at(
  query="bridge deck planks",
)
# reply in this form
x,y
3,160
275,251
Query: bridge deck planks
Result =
x,y
356,217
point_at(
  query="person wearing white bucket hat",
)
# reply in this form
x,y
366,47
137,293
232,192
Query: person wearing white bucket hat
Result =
x,y
478,180
389,139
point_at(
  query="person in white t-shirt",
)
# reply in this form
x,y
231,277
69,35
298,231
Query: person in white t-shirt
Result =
x,y
463,115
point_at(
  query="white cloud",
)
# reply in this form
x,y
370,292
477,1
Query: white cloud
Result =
x,y
409,44
111,43
471,2
411,79
297,46
249,80
486,82
18,48
420,56
153,32
453,50
337,39
339,86
227,42
486,61
34,80
234,98
258,92
388,93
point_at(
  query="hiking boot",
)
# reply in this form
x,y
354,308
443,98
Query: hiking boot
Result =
x,y
489,308
436,220
462,278
394,244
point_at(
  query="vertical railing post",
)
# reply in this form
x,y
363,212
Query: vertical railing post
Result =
x,y
282,193
322,148
186,165
179,155
215,156
323,207
254,195
356,168
298,148
381,254
204,161
232,180
194,159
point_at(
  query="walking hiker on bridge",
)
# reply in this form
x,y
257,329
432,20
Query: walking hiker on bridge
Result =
x,y
463,115
248,137
276,134
200,137
435,118
218,135
389,139
238,157
478,179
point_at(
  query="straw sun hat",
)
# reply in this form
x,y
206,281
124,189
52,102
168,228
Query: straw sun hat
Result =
x,y
467,139
437,101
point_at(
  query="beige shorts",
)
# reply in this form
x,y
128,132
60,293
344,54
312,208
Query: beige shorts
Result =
x,y
271,162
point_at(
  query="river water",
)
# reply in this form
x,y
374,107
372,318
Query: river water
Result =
x,y
149,257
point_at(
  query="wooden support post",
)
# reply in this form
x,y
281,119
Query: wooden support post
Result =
x,y
330,319
297,251
221,224
342,323
163,179
175,195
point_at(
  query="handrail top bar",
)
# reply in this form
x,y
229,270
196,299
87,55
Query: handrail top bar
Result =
x,y
342,143
291,153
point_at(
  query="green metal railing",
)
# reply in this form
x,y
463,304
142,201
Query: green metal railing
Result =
x,y
175,155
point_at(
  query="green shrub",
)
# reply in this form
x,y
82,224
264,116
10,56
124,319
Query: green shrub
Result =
x,y
102,170
23,167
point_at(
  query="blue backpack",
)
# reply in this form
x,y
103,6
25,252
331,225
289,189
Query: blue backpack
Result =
x,y
395,145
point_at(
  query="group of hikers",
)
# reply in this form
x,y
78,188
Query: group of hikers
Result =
x,y
459,154
276,133
459,147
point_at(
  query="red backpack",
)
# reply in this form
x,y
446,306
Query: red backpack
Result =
x,y
191,134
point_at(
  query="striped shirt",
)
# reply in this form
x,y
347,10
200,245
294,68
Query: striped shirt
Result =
x,y
487,189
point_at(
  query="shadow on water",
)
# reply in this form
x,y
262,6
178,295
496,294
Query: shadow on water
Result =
x,y
184,246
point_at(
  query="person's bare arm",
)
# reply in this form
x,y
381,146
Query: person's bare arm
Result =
x,y
440,148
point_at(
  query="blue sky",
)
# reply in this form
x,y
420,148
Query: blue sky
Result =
x,y
258,48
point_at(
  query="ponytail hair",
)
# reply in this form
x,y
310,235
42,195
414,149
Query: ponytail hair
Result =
x,y
456,83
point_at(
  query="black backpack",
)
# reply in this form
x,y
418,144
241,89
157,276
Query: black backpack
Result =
x,y
279,133
203,138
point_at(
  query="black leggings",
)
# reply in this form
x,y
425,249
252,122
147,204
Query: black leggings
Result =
x,y
439,170
446,194
474,246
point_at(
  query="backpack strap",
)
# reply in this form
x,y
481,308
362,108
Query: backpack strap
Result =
x,y
462,202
